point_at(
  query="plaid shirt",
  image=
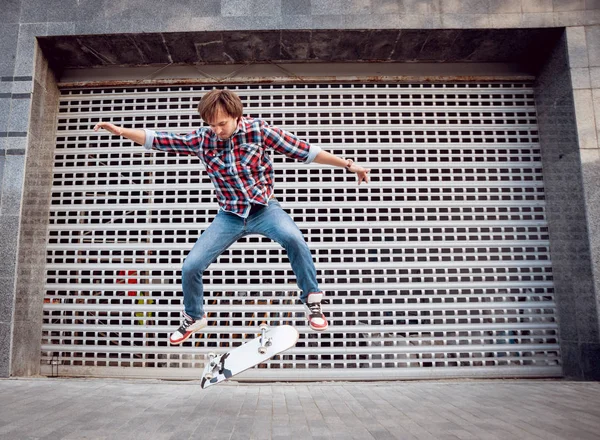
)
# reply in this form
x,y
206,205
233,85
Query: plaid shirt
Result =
x,y
240,167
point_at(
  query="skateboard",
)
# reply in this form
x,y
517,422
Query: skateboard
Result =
x,y
271,342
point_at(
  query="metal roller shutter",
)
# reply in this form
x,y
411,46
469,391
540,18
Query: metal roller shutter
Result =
x,y
438,268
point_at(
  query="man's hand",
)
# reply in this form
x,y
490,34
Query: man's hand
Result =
x,y
362,174
109,127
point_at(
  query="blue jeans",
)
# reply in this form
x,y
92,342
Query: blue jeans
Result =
x,y
226,228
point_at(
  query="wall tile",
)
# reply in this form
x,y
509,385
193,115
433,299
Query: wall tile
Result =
x,y
505,7
266,8
586,125
62,10
576,18
356,7
4,113
19,115
5,348
570,5
466,21
537,6
295,7
596,104
205,8
236,8
500,21
580,77
12,185
8,52
60,28
417,7
408,21
33,11
22,87
327,22
533,20
595,77
10,11
26,47
326,7
577,47
465,6
90,10
9,233
97,26
129,9
7,300
592,35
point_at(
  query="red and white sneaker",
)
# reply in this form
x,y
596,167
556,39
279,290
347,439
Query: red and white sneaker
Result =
x,y
188,327
316,318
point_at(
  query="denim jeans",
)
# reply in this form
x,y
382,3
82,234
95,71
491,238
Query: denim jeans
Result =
x,y
226,228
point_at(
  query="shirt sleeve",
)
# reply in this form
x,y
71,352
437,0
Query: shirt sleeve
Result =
x,y
288,144
172,143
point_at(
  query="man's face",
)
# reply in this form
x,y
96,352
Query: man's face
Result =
x,y
223,124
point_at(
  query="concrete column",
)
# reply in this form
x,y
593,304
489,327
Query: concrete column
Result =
x,y
572,181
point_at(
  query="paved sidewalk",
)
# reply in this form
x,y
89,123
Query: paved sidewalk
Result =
x,y
44,408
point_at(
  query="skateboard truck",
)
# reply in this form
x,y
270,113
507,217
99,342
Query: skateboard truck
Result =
x,y
215,360
264,343
212,363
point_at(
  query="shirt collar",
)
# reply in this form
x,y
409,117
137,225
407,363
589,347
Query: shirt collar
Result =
x,y
240,126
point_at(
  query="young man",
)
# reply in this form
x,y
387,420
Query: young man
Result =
x,y
234,151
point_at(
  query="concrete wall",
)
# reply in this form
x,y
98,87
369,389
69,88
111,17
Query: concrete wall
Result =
x,y
24,152
564,143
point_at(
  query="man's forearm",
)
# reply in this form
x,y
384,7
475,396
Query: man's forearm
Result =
x,y
326,158
330,159
137,135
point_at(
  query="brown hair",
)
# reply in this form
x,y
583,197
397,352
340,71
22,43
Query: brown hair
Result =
x,y
217,99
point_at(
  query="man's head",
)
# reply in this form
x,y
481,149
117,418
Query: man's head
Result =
x,y
221,110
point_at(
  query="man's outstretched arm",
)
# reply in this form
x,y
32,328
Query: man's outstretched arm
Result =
x,y
150,139
325,158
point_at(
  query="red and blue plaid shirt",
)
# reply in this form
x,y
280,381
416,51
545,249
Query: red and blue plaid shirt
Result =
x,y
240,167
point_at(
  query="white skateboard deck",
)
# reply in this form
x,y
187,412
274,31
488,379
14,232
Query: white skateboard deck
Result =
x,y
222,367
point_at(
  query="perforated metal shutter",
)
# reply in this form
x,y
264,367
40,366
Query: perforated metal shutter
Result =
x,y
439,267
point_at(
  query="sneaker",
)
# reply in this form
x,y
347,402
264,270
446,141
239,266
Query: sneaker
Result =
x,y
187,328
316,318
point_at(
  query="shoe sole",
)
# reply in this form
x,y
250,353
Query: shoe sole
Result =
x,y
319,329
185,337
182,340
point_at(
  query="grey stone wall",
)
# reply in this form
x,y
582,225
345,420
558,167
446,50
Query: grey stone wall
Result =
x,y
24,154
31,257
563,152
584,65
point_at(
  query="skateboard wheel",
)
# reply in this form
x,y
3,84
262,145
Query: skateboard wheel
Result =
x,y
264,327
262,350
209,376
212,355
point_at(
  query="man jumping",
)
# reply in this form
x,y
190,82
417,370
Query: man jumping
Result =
x,y
233,148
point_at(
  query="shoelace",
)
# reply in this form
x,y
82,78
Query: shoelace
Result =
x,y
185,324
315,308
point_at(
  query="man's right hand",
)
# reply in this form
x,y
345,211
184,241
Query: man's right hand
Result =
x,y
109,127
